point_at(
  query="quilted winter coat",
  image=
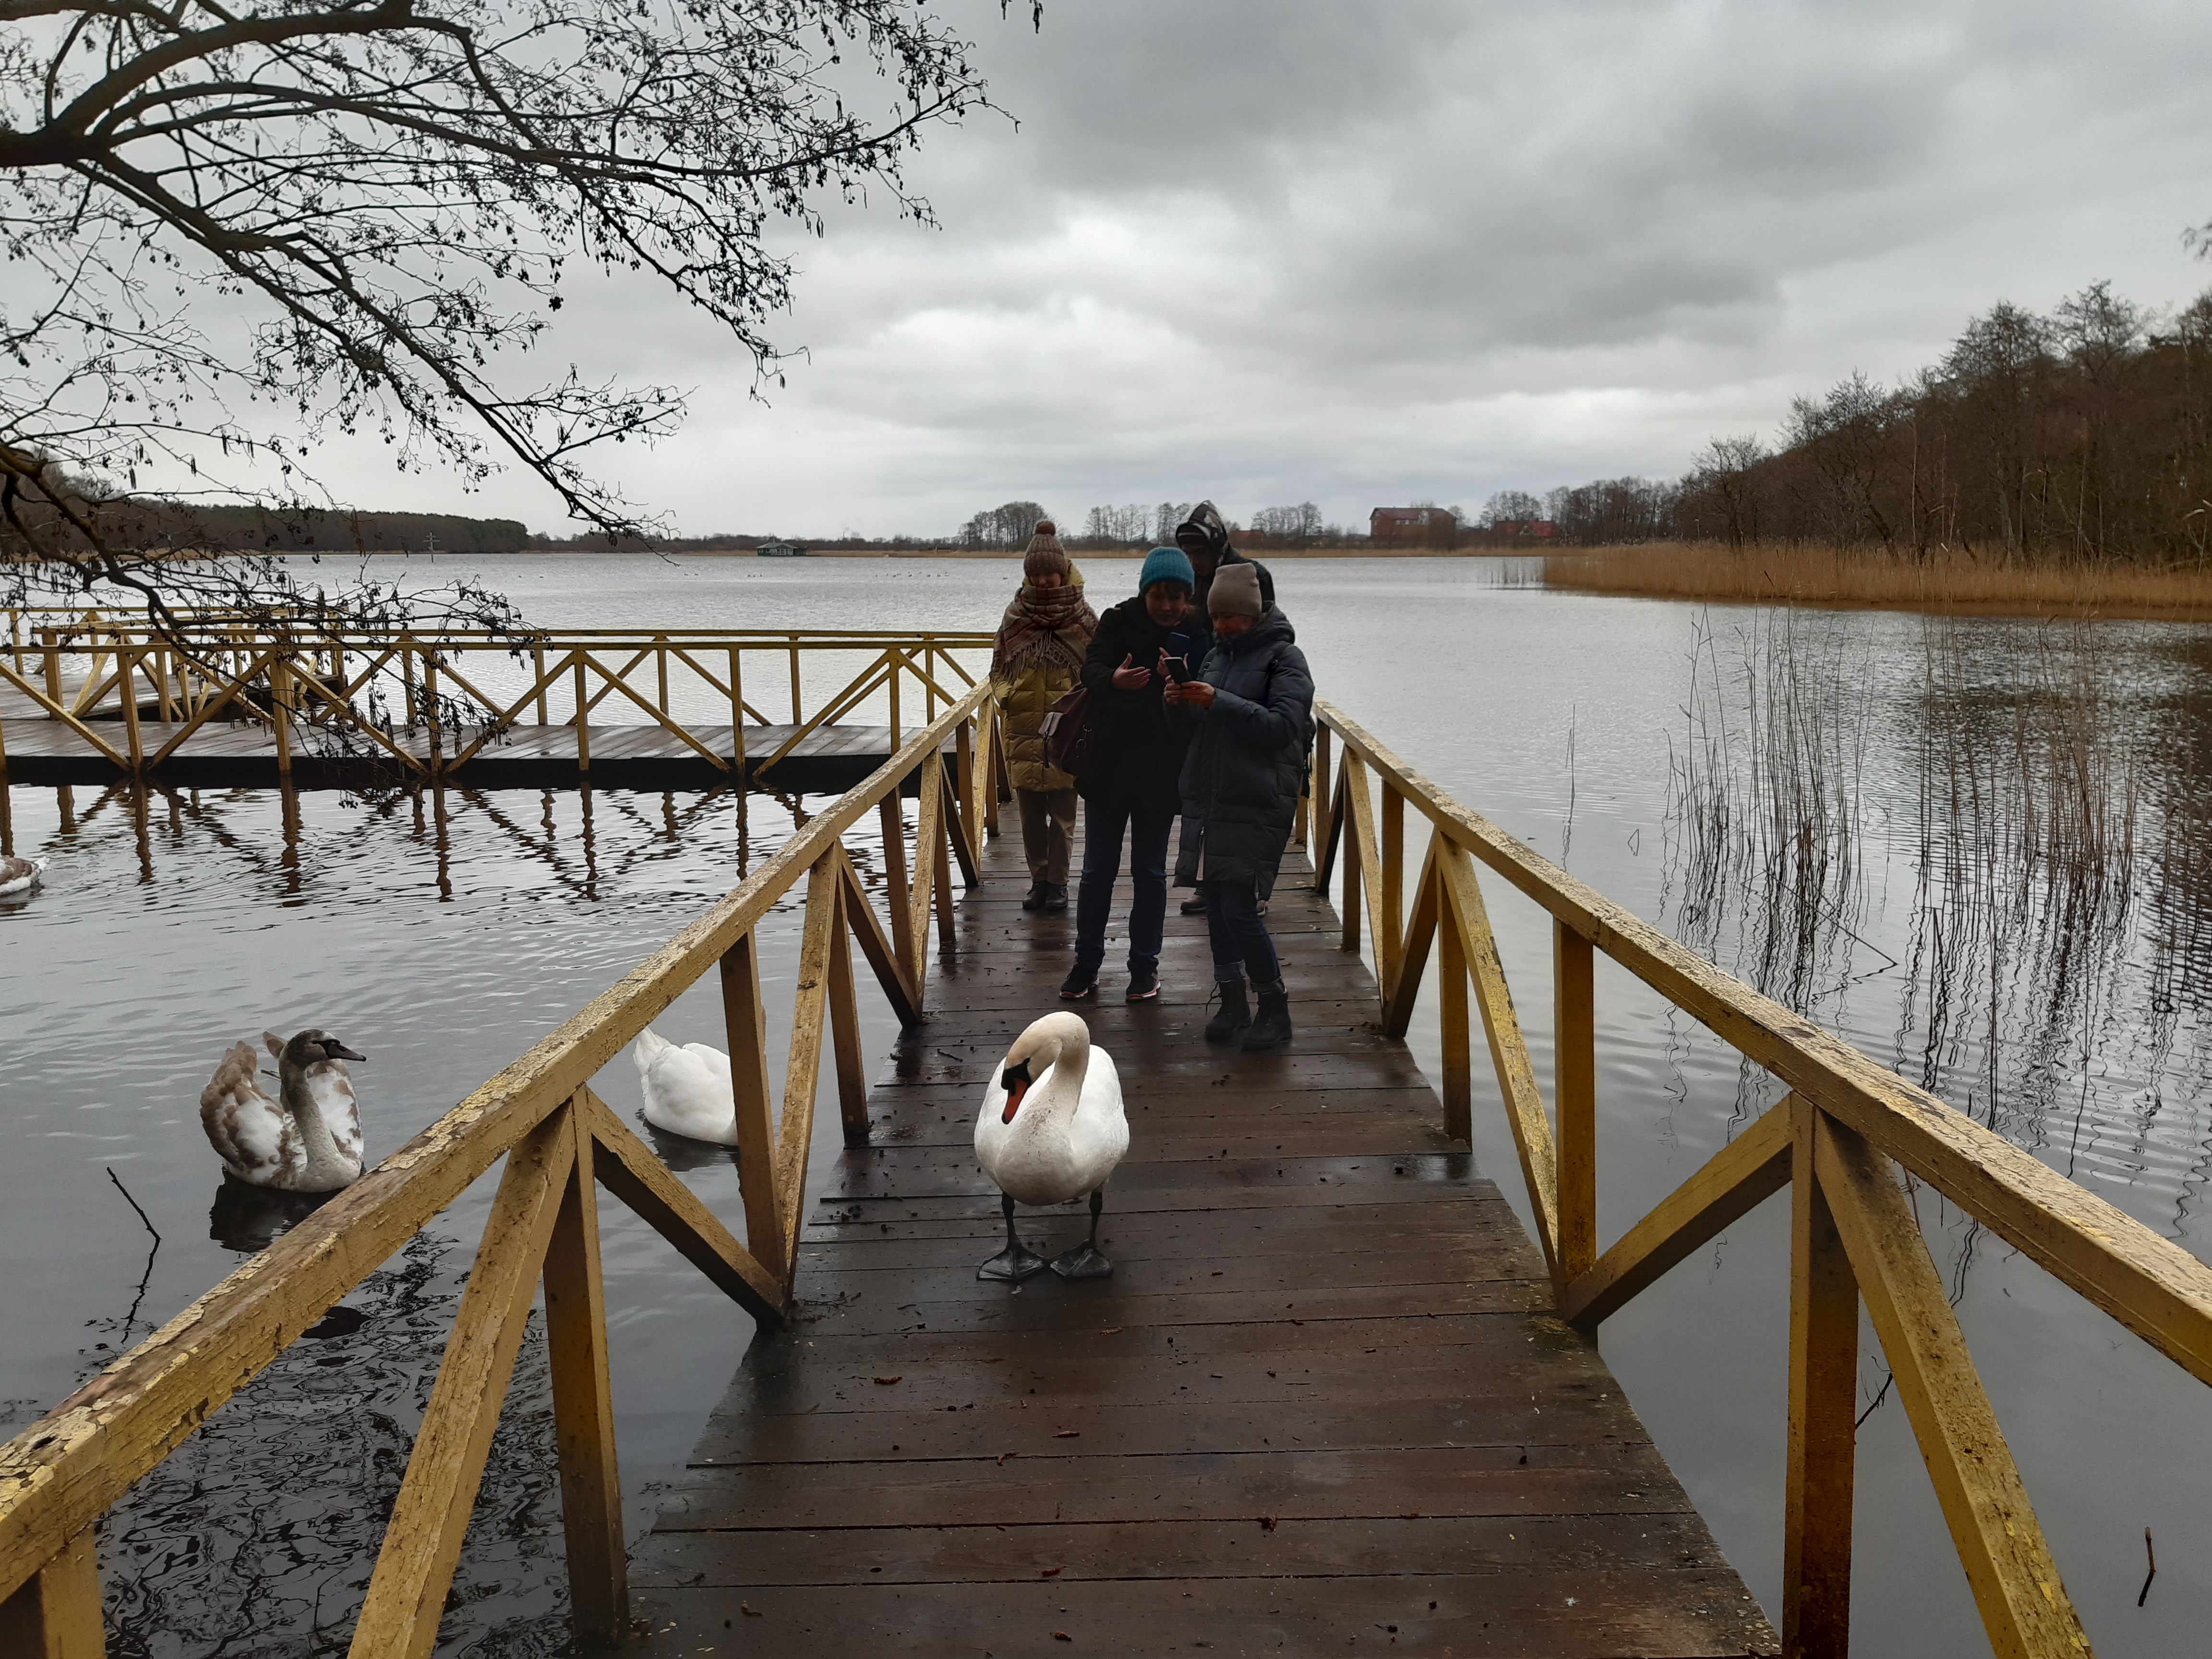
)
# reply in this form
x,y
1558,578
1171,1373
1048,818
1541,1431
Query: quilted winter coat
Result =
x,y
1246,761
1026,698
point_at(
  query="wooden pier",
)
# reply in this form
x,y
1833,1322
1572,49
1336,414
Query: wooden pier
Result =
x,y
1325,1402
1334,1396
277,704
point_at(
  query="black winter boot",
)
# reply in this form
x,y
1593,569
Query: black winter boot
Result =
x,y
1236,1013
1034,899
1272,1030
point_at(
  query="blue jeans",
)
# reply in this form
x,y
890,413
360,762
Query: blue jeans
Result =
x,y
1148,831
1241,944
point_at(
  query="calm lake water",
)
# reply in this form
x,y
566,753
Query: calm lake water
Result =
x,y
1980,850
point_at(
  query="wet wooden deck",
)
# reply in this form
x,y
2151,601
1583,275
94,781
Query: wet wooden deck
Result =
x,y
1322,1405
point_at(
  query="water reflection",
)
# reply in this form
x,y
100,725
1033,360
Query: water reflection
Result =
x,y
2044,789
250,1218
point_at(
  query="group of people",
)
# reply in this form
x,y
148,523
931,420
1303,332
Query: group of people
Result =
x,y
1198,705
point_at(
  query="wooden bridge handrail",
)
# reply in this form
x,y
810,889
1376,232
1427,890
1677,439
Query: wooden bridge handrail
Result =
x,y
295,680
62,1473
1853,1234
2149,1284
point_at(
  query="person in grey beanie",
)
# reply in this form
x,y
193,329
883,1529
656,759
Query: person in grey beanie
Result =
x,y
1203,538
1250,711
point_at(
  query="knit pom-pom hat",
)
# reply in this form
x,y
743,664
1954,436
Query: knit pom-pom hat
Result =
x,y
1235,593
1166,564
1046,556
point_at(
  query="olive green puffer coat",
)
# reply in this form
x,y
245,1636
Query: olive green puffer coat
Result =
x,y
1026,699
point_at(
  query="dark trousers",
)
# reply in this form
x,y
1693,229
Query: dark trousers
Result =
x,y
1241,944
1103,830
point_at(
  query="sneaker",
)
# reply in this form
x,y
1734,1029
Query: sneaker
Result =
x,y
1080,985
1055,899
1193,907
1034,899
1144,985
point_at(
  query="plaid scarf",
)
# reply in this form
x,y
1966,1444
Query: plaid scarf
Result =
x,y
1042,626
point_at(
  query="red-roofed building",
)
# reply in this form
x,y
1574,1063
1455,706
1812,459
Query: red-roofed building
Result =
x,y
1413,526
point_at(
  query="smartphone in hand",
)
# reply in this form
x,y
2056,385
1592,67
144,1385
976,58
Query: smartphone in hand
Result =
x,y
1179,658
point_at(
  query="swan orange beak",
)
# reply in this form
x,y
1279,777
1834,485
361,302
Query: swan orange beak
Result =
x,y
1016,1082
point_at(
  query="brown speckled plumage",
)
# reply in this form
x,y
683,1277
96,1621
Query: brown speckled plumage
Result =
x,y
269,1140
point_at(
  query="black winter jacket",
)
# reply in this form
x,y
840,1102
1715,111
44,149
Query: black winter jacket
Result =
x,y
1135,750
1246,761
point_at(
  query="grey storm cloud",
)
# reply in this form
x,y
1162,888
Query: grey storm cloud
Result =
x,y
1277,250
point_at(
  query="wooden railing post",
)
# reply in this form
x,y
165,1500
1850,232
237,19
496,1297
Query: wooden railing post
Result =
x,y
737,718
845,1030
56,1615
892,817
1458,1037
583,721
430,712
1355,874
583,1412
747,1023
1392,920
970,815
1574,1087
1824,1368
537,675
423,1539
940,862
280,711
126,690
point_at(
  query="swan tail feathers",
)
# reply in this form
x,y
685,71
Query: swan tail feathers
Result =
x,y
648,1048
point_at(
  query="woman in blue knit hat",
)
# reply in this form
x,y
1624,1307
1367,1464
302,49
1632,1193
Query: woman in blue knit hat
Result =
x,y
1128,780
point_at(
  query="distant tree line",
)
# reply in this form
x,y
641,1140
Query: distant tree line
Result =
x,y
142,525
2084,433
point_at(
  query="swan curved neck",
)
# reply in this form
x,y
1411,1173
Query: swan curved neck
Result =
x,y
1068,1066
324,1161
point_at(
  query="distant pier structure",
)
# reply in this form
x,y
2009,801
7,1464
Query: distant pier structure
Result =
x,y
88,697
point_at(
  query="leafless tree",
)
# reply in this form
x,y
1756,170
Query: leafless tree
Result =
x,y
381,199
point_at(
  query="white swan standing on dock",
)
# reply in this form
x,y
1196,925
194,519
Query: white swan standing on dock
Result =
x,y
687,1089
307,1137
19,876
1052,1128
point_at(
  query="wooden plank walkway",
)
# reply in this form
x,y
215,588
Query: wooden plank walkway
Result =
x,y
1322,1405
828,759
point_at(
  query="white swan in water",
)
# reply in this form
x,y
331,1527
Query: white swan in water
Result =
x,y
1052,1128
307,1137
19,876
687,1089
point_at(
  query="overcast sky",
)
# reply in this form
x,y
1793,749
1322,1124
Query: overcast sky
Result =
x,y
1271,251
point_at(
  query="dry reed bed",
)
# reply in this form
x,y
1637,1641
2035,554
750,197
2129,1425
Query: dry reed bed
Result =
x,y
1946,580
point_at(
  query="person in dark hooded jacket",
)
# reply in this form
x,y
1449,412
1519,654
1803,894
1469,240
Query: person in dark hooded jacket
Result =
x,y
1129,779
1250,715
1204,538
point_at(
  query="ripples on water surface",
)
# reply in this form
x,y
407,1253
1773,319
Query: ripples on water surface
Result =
x,y
1974,847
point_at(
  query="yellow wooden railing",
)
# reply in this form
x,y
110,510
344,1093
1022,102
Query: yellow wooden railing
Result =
x,y
298,678
1831,1141
61,1474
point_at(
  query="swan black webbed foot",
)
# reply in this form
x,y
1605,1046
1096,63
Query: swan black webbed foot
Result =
x,y
1016,1261
1084,1262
